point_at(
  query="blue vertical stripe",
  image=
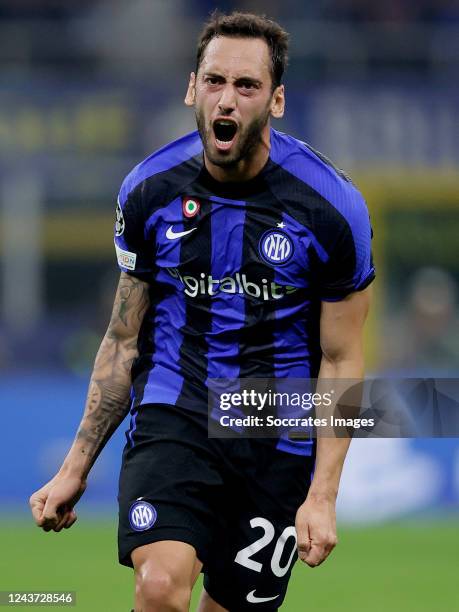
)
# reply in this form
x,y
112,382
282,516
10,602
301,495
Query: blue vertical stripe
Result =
x,y
290,333
291,355
165,379
132,422
300,161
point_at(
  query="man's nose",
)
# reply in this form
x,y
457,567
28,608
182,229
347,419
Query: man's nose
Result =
x,y
227,102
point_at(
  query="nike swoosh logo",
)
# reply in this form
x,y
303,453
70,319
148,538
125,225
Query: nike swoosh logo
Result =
x,y
171,235
251,598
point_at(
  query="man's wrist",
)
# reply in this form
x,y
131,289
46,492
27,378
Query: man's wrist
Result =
x,y
322,493
75,468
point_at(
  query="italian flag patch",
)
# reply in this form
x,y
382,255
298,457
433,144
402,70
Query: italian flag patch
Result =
x,y
190,207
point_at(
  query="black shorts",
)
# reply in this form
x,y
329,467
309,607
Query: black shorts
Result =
x,y
233,500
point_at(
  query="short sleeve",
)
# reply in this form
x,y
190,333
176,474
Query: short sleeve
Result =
x,y
133,253
349,266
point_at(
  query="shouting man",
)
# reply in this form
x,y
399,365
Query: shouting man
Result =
x,y
243,253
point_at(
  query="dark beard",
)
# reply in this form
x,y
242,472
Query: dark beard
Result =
x,y
247,140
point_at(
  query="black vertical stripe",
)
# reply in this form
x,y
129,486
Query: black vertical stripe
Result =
x,y
195,261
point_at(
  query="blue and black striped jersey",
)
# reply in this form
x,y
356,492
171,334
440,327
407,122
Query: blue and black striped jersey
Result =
x,y
237,270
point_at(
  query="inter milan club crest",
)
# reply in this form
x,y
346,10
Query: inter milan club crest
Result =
x,y
191,207
142,515
276,247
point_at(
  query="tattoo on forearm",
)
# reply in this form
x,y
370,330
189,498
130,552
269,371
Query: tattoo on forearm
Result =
x,y
108,396
125,294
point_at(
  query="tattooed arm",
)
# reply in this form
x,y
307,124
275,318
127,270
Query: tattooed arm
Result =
x,y
106,406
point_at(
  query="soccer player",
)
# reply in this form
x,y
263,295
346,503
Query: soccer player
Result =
x,y
243,253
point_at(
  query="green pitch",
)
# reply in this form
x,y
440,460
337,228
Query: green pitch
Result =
x,y
409,567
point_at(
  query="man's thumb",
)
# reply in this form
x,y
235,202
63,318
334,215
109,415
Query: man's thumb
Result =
x,y
50,510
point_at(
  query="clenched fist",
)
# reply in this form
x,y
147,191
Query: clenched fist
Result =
x,y
52,505
316,530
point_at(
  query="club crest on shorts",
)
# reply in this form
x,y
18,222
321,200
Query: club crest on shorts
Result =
x,y
142,515
190,207
275,247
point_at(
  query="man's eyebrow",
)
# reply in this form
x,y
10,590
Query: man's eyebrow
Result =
x,y
218,75
211,73
249,79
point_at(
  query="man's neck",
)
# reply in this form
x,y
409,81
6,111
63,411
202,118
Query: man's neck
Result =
x,y
246,168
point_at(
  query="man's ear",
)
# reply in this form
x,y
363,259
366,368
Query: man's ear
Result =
x,y
278,102
191,91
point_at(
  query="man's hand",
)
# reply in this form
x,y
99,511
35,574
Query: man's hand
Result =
x,y
341,326
316,529
52,505
106,406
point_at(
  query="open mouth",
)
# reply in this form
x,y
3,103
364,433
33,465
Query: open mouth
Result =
x,y
224,131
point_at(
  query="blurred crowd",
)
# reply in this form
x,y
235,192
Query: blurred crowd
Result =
x,y
87,35
402,11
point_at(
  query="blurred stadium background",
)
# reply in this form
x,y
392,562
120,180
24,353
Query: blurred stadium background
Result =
x,y
89,88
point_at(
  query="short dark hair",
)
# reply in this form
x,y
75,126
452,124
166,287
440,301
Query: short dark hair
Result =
x,y
247,25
